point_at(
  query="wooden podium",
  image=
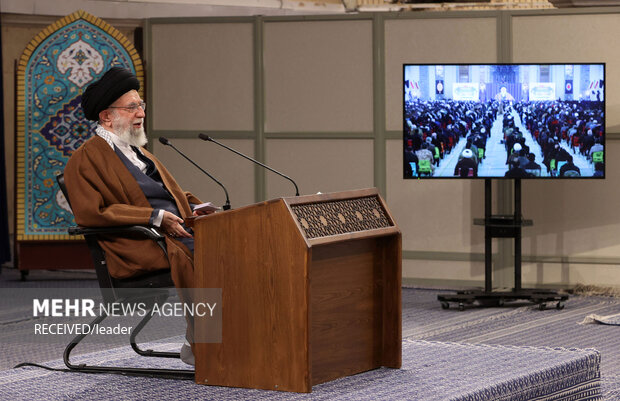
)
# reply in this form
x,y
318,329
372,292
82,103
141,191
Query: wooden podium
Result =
x,y
311,290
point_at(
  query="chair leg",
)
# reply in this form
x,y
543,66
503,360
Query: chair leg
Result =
x,y
77,340
148,352
148,372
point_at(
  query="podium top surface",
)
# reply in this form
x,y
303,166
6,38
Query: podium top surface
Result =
x,y
333,217
351,213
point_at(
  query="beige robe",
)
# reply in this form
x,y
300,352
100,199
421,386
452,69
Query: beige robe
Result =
x,y
102,192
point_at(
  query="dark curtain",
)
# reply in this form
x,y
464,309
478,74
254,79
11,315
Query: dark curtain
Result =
x,y
5,245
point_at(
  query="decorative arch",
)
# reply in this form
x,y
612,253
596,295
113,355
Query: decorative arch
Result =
x,y
53,71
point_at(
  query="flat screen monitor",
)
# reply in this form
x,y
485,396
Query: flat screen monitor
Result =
x,y
539,121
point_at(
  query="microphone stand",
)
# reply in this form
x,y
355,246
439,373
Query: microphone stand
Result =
x,y
207,138
166,142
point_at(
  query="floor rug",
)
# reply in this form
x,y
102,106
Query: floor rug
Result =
x,y
431,371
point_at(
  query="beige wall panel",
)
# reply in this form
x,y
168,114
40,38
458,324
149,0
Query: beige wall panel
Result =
x,y
578,38
571,274
432,40
203,76
434,215
443,270
574,218
235,173
534,274
318,76
317,165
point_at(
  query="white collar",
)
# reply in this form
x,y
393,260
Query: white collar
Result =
x,y
111,138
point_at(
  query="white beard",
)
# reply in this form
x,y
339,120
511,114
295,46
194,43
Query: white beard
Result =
x,y
129,134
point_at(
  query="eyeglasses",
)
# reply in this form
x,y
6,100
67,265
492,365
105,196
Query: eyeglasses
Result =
x,y
131,108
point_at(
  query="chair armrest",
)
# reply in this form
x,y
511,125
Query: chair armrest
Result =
x,y
148,232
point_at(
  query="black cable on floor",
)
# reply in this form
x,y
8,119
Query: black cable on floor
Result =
x,y
40,366
116,372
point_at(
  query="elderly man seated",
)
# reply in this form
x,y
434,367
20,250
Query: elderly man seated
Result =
x,y
111,180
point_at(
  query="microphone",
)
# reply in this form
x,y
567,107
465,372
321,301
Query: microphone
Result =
x,y
166,142
207,138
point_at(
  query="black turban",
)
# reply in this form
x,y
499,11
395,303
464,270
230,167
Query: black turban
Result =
x,y
99,95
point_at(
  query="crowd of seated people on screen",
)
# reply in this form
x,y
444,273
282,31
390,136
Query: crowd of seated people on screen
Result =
x,y
434,128
559,131
577,125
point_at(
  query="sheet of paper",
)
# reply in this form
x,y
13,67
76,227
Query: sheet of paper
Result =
x,y
206,207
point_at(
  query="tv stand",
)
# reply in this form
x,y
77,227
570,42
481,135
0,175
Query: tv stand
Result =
x,y
502,226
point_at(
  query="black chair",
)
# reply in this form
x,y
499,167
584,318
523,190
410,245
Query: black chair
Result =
x,y
113,290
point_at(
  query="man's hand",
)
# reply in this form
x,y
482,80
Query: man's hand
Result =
x,y
171,225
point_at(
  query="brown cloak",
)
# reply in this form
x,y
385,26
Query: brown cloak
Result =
x,y
103,193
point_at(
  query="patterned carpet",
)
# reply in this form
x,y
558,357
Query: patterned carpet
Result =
x,y
447,355
525,325
431,371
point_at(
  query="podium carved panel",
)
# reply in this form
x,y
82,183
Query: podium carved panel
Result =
x,y
322,219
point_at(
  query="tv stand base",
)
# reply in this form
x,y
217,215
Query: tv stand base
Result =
x,y
499,298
